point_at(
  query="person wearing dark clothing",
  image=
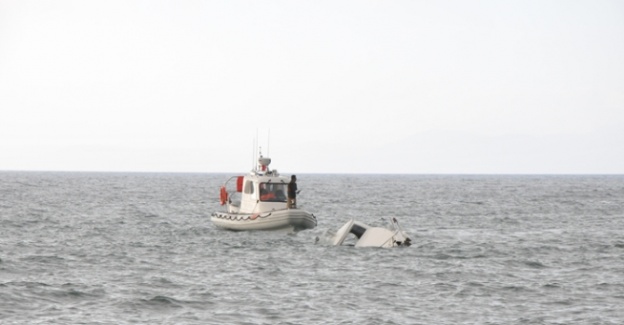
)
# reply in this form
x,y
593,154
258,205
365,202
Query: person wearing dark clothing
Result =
x,y
292,193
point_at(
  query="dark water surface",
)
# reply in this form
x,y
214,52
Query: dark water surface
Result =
x,y
106,248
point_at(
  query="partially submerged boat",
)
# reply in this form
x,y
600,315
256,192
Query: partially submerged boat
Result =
x,y
258,201
368,236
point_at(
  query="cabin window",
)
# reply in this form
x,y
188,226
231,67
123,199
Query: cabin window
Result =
x,y
273,192
249,189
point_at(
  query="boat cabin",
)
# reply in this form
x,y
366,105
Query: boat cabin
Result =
x,y
258,192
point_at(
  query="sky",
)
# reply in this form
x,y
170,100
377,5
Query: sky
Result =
x,y
422,87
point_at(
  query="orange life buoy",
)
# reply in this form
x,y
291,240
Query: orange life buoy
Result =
x,y
223,195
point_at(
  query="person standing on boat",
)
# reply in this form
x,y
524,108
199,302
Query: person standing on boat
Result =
x,y
292,192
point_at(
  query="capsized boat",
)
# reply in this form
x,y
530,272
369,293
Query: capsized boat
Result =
x,y
368,236
258,201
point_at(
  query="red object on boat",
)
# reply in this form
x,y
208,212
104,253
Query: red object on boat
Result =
x,y
239,184
223,195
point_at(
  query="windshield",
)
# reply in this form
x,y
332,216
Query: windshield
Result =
x,y
273,192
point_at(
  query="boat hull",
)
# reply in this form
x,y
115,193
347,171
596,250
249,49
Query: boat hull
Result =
x,y
273,220
372,236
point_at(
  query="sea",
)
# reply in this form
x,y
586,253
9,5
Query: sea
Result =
x,y
139,248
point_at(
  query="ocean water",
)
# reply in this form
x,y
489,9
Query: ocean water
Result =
x,y
112,248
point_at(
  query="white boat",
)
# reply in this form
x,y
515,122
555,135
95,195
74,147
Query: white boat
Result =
x,y
368,236
258,201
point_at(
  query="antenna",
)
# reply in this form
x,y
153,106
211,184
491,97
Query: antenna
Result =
x,y
269,143
253,153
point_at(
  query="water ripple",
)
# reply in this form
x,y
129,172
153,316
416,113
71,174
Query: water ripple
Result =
x,y
140,249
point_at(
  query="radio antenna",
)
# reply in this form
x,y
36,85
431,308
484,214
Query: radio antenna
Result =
x,y
269,143
254,156
253,153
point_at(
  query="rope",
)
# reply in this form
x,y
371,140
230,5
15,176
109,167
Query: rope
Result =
x,y
239,217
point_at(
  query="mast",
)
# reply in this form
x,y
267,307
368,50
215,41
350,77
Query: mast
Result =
x,y
269,143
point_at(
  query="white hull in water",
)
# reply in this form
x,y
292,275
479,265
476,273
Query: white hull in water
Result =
x,y
258,201
368,236
294,219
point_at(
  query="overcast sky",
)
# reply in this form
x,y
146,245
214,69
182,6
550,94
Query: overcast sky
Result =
x,y
328,86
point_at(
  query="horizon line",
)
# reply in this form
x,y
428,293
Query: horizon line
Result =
x,y
316,173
